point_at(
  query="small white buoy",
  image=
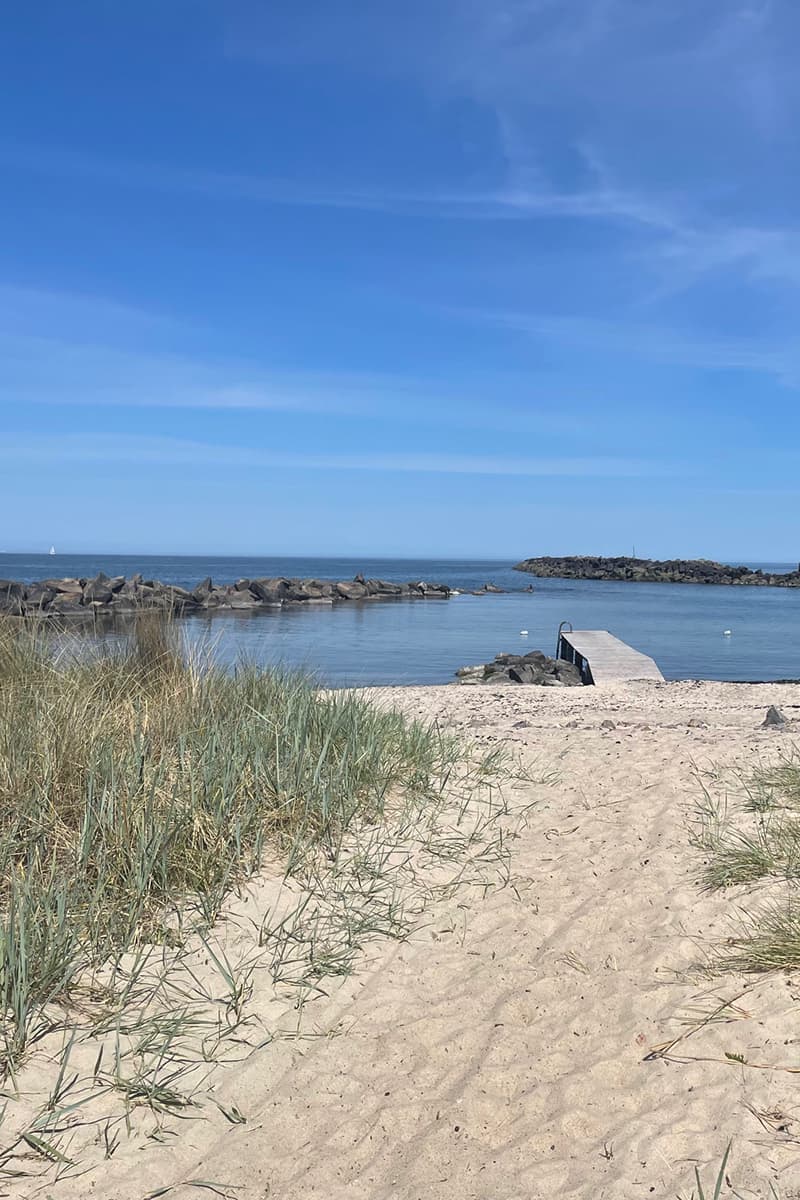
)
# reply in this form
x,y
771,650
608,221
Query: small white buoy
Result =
x,y
726,633
523,633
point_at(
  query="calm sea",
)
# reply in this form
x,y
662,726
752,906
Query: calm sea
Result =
x,y
681,626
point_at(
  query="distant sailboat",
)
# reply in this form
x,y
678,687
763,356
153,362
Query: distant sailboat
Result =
x,y
52,550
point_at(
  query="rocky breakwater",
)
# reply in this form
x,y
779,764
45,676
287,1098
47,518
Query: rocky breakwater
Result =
x,y
120,595
647,570
534,667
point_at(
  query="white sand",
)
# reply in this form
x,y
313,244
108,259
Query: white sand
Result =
x,y
500,1053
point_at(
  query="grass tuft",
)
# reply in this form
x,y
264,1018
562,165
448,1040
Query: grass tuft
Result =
x,y
722,1186
756,841
138,785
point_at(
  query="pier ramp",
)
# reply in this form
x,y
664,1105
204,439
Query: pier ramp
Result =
x,y
602,658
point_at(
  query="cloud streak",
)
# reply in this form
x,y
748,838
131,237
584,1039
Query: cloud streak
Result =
x,y
500,203
683,249
657,343
100,448
36,371
693,89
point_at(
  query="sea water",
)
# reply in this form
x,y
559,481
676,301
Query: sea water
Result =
x,y
425,641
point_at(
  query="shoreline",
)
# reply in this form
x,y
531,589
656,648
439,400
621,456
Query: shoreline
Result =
x,y
514,689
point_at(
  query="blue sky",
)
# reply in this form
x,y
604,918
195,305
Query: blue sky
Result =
x,y
445,277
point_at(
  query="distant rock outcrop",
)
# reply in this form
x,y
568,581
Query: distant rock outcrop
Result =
x,y
647,570
534,667
120,596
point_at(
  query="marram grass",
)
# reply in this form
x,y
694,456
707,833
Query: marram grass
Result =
x,y
135,782
754,841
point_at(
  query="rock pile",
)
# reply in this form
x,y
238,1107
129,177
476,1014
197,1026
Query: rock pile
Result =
x,y
535,668
645,570
121,595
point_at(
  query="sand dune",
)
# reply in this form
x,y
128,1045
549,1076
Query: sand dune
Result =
x,y
502,1051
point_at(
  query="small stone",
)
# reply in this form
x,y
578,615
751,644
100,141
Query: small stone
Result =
x,y
607,725
774,718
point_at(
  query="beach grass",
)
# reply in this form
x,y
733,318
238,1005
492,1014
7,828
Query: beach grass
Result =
x,y
140,785
751,839
719,1185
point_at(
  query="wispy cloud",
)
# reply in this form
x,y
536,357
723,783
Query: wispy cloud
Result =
x,y
42,370
683,248
161,451
496,203
51,353
76,314
49,371
657,343
218,184
679,91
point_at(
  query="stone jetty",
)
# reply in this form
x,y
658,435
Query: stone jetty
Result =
x,y
103,595
647,570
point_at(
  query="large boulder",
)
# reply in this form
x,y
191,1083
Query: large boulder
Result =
x,y
68,587
38,597
122,602
429,591
497,676
131,586
242,599
9,587
471,675
537,657
309,589
568,673
351,591
271,591
98,589
224,595
318,589
528,672
66,605
150,596
180,598
11,605
203,590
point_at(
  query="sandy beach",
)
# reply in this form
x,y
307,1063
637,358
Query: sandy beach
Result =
x,y
502,1050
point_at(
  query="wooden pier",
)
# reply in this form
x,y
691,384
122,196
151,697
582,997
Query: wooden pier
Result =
x,y
602,658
